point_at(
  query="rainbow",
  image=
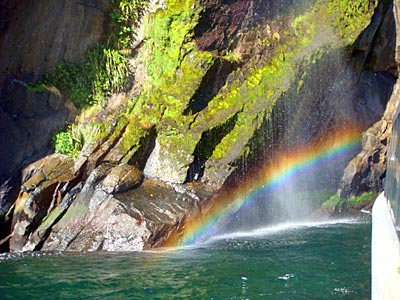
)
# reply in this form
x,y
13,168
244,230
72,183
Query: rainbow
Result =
x,y
284,168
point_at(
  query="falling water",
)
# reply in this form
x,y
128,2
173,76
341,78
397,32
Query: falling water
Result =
x,y
307,120
325,109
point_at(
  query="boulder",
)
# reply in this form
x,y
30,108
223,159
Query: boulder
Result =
x,y
122,178
45,183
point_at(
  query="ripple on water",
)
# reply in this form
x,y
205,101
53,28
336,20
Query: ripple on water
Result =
x,y
322,262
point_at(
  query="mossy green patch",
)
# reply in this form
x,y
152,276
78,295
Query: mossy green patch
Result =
x,y
69,141
169,39
129,143
254,98
362,200
101,72
350,17
335,203
174,69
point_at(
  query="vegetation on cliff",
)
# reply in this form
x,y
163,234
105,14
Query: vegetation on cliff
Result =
x,y
350,16
335,204
175,68
104,70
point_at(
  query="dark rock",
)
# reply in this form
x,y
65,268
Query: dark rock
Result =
x,y
34,36
219,21
366,172
368,169
374,49
8,192
40,34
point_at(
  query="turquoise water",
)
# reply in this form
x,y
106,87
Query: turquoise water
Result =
x,y
298,261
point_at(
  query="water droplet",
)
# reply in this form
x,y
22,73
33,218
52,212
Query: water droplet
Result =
x,y
286,277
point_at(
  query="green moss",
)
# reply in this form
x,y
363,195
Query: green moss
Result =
x,y
333,203
174,69
169,32
130,140
254,98
232,57
37,87
350,17
361,201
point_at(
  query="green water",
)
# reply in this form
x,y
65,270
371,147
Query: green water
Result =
x,y
325,261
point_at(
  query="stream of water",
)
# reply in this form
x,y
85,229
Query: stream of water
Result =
x,y
320,260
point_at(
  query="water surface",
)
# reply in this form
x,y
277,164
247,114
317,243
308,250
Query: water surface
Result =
x,y
310,261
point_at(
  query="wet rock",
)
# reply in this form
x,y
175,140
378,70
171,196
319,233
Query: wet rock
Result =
x,y
134,220
368,169
37,237
121,179
43,187
162,207
57,211
8,193
366,172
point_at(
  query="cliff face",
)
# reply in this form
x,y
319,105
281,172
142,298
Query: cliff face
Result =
x,y
366,172
207,79
34,36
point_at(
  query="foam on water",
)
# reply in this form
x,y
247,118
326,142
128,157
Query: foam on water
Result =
x,y
269,230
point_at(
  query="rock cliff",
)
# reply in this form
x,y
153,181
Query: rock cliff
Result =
x,y
34,36
175,101
367,171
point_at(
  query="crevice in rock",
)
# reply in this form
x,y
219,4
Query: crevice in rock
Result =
x,y
95,157
147,142
206,146
212,82
65,204
5,229
40,205
375,48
